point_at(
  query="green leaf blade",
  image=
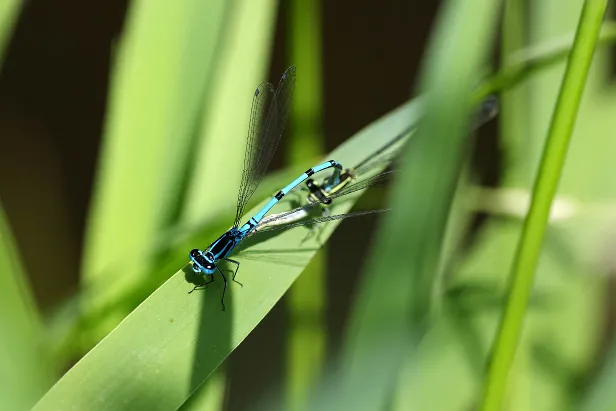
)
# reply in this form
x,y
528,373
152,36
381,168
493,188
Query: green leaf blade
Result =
x,y
164,350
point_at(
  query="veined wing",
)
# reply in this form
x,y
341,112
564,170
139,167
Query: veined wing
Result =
x,y
267,120
321,220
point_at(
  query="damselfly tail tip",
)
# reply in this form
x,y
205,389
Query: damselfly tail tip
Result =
x,y
291,69
490,106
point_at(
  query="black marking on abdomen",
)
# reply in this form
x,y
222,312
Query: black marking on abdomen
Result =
x,y
309,172
279,195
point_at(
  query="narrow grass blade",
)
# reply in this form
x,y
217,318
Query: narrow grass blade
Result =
x,y
307,298
218,158
176,340
162,70
529,246
392,308
25,368
9,11
222,133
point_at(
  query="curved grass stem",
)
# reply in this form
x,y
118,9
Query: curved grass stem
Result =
x,y
546,183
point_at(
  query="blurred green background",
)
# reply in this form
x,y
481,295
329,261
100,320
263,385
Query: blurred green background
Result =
x,y
123,128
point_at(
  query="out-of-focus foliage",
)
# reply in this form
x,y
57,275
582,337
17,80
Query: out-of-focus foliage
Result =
x,y
432,293
307,298
9,10
163,69
529,245
25,371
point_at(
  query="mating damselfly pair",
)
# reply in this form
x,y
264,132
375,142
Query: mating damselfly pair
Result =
x,y
270,108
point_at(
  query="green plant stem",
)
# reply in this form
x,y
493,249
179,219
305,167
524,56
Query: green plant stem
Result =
x,y
529,246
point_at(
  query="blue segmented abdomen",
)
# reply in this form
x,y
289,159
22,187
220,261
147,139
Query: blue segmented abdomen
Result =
x,y
270,204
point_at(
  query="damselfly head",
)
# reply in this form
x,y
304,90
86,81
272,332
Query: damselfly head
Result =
x,y
201,264
194,257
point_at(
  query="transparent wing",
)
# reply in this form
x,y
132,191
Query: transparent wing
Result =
x,y
321,220
293,258
261,106
267,120
368,182
376,161
287,217
486,111
385,154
